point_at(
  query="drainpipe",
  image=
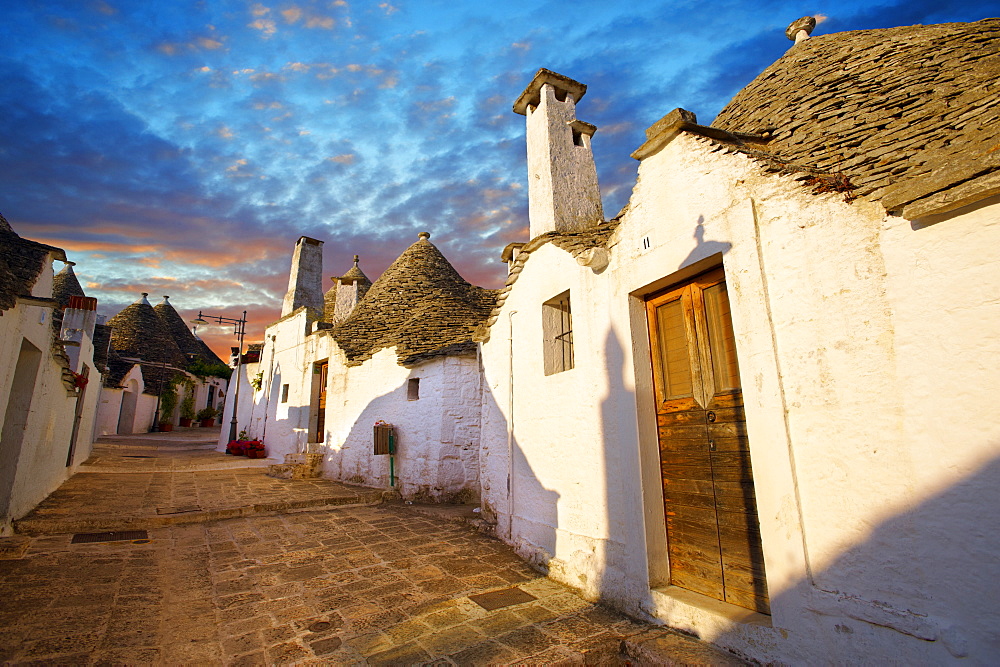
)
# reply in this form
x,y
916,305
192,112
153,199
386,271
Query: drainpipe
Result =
x,y
510,429
270,382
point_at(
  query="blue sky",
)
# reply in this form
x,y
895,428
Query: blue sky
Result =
x,y
182,147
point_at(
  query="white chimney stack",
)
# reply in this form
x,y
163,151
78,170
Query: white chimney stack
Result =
x,y
563,194
305,281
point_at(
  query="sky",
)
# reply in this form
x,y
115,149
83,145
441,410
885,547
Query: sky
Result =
x,y
180,148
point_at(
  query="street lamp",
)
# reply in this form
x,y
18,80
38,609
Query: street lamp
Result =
x,y
239,330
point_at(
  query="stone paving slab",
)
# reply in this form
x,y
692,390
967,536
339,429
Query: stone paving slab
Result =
x,y
125,501
378,584
181,450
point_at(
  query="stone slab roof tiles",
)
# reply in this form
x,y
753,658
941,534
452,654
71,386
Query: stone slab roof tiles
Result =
x,y
574,243
118,367
420,305
21,262
909,116
102,340
353,275
192,347
65,284
138,332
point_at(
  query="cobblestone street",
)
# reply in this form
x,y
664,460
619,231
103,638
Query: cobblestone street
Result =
x,y
342,584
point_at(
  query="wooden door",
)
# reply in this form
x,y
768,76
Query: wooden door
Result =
x,y
321,373
713,537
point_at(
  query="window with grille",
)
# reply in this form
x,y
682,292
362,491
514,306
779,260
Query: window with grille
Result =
x,y
557,331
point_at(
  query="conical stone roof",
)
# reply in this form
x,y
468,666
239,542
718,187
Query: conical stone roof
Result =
x,y
192,347
353,275
138,332
21,262
420,305
906,114
65,284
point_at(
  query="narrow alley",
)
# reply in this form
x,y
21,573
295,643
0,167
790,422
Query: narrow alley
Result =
x,y
162,550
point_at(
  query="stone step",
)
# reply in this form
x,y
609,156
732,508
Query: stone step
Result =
x,y
662,646
35,526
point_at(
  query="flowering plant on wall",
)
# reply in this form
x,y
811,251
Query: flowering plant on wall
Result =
x,y
79,380
257,381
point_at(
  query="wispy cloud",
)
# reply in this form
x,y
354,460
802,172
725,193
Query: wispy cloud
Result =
x,y
191,144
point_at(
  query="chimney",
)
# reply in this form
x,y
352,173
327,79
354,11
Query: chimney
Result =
x,y
305,281
79,319
800,29
563,194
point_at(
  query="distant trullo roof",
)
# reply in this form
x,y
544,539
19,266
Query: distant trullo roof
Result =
x,y
138,332
420,305
192,347
65,284
353,275
910,115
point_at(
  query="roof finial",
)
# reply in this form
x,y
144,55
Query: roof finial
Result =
x,y
142,299
800,30
166,299
355,260
423,236
69,263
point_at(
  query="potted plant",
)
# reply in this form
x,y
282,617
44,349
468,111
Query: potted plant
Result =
x,y
187,405
254,449
207,416
168,402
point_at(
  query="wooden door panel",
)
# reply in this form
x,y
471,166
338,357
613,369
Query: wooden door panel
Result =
x,y
749,600
694,433
691,416
731,445
726,400
711,587
706,500
727,430
713,538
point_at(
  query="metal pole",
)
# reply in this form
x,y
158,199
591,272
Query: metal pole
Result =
x,y
241,329
159,391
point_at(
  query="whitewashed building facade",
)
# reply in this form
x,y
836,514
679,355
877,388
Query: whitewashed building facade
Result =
x,y
757,404
49,381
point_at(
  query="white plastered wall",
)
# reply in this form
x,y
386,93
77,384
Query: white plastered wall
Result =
x,y
40,466
437,435
847,323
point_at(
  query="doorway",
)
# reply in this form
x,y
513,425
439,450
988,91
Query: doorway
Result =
x,y
713,535
126,415
15,422
320,377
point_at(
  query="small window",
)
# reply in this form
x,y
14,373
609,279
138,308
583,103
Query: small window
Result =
x,y
577,137
284,393
557,331
413,389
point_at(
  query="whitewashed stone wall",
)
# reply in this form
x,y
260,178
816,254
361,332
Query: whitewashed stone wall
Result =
x,y
39,467
437,435
864,343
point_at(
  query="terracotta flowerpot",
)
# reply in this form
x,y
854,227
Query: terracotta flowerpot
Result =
x,y
206,423
185,422
166,427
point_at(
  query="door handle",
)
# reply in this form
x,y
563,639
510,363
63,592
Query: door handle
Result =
x,y
710,416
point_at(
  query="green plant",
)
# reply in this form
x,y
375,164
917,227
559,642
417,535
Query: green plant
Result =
x,y
168,399
204,369
207,413
187,405
257,381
